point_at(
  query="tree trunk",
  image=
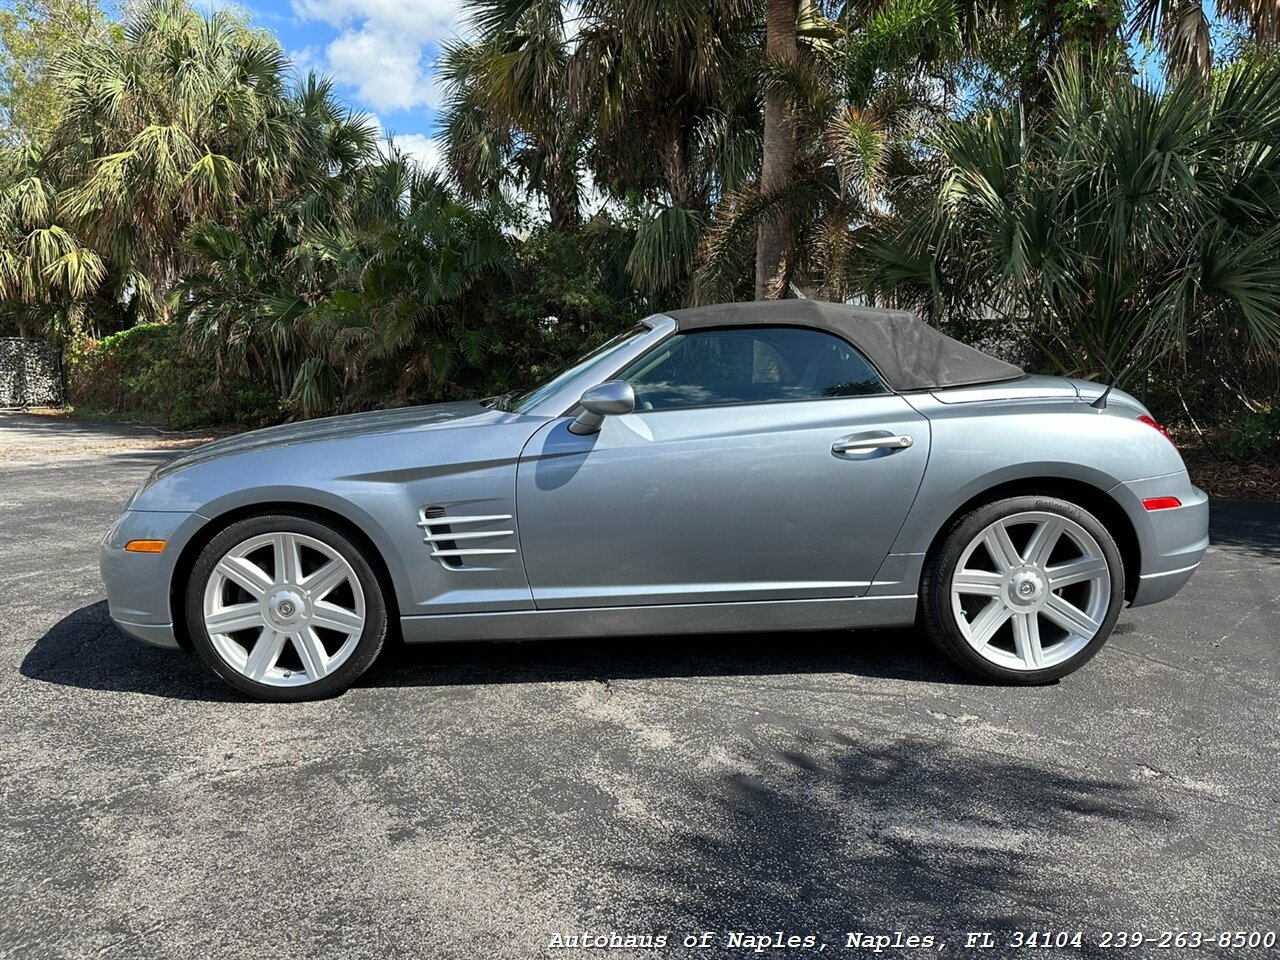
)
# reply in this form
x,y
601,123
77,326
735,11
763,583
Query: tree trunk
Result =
x,y
1052,37
561,189
773,241
562,204
668,132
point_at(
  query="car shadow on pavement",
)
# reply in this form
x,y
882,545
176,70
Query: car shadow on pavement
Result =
x,y
838,834
85,649
1247,525
897,654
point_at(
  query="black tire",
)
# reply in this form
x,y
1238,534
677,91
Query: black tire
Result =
x,y
939,620
367,646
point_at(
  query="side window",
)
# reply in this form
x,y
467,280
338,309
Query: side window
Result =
x,y
749,365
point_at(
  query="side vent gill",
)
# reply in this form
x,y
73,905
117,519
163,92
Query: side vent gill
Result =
x,y
454,548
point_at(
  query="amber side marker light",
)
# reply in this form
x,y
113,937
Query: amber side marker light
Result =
x,y
1162,503
145,546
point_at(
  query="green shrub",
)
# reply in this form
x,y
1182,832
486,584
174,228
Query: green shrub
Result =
x,y
570,295
1256,437
146,373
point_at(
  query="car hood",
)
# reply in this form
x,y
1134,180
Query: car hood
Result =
x,y
345,427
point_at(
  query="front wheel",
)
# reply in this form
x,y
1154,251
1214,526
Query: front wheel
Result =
x,y
285,608
1024,590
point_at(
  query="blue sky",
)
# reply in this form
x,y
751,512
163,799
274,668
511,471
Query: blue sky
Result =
x,y
381,54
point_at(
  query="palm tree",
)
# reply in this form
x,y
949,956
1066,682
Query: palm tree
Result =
x,y
777,167
242,303
183,169
1182,28
862,90
1125,221
151,133
179,119
411,314
651,99
508,114
45,273
669,88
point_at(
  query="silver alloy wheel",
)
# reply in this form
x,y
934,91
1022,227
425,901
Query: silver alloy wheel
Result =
x,y
284,609
1044,576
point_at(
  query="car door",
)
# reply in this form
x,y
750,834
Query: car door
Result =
x,y
761,463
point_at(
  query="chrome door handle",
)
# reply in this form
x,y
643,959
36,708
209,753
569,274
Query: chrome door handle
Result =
x,y
871,443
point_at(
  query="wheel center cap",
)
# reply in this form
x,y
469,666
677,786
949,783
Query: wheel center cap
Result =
x,y
1027,587
286,607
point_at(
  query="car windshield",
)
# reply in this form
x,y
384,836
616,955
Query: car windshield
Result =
x,y
599,357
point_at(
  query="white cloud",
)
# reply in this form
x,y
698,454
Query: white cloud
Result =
x,y
424,20
428,151
386,71
306,59
383,46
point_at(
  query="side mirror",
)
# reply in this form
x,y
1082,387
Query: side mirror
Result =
x,y
613,398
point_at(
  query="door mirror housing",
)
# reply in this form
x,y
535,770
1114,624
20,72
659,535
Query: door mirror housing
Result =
x,y
613,398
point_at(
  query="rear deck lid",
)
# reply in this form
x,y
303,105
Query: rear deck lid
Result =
x,y
1024,388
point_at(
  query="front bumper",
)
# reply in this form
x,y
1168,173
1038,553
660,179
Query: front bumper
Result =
x,y
1171,542
138,584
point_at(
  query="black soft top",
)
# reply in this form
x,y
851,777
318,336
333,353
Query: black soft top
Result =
x,y
910,354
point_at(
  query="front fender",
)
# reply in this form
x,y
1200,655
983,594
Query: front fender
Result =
x,y
378,484
345,504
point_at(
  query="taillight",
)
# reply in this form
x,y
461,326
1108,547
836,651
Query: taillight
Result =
x,y
1161,503
1151,422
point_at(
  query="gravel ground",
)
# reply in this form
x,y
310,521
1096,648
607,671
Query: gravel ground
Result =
x,y
478,801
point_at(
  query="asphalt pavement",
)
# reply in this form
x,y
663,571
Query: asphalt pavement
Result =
x,y
477,801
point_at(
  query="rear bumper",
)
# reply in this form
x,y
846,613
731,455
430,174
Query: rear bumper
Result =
x,y
1170,542
1154,587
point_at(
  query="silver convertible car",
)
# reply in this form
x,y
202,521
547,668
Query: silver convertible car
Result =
x,y
788,465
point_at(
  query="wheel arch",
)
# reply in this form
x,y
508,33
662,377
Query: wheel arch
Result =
x,y
1082,493
220,521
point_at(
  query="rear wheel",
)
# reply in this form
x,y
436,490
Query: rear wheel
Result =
x,y
1024,590
285,608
